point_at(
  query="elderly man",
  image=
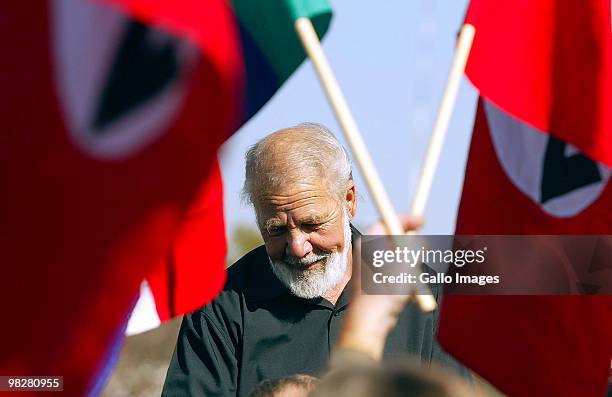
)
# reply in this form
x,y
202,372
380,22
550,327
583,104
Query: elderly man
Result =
x,y
281,310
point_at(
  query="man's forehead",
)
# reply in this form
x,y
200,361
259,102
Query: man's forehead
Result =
x,y
307,207
292,183
292,195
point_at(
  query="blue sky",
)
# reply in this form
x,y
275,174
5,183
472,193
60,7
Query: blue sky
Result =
x,y
391,58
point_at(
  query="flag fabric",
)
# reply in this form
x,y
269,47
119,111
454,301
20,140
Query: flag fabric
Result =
x,y
111,123
527,345
539,163
549,64
271,51
179,281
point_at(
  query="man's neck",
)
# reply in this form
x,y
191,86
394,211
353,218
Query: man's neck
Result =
x,y
334,294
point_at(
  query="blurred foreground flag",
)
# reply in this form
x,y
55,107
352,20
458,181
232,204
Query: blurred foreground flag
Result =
x,y
539,163
111,125
181,280
271,52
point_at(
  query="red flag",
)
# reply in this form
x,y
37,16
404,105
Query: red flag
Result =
x,y
109,128
549,64
270,52
544,68
527,345
179,280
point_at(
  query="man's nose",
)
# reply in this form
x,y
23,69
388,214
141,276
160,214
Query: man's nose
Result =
x,y
298,244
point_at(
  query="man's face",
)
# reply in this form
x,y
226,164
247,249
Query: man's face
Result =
x,y
307,235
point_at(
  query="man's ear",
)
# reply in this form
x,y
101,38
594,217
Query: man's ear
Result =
x,y
351,198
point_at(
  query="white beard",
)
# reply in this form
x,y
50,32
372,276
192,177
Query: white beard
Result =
x,y
315,282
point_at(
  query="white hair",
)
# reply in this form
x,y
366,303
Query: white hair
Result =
x,y
305,150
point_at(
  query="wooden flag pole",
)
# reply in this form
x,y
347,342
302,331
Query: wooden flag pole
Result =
x,y
313,48
464,44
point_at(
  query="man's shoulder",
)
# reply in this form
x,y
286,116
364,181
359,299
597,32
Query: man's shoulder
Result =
x,y
252,277
248,270
248,279
243,279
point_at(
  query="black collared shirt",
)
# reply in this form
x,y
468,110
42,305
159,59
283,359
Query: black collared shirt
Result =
x,y
256,329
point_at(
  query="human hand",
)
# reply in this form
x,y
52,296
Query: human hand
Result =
x,y
370,318
408,222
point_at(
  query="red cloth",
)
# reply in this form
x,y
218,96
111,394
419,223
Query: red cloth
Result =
x,y
544,64
180,281
527,345
96,179
548,63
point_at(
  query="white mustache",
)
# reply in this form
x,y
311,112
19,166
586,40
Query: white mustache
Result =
x,y
306,260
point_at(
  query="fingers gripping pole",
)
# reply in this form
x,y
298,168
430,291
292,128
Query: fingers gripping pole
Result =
x,y
311,44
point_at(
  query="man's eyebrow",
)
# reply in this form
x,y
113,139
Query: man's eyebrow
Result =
x,y
314,219
272,223
308,219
